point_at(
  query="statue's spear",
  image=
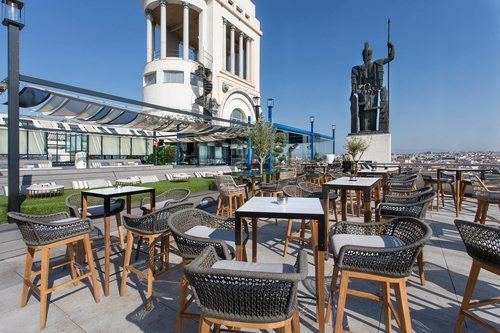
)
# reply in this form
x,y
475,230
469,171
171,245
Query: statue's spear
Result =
x,y
388,68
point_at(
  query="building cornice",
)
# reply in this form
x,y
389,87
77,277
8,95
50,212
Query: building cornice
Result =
x,y
238,15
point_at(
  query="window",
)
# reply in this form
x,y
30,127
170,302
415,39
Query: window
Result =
x,y
173,77
150,78
196,80
237,115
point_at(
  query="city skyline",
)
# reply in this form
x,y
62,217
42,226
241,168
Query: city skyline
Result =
x,y
440,77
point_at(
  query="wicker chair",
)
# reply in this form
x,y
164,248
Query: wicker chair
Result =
x,y
273,189
152,226
484,197
246,295
316,191
193,231
402,183
295,191
95,210
430,180
169,197
384,252
43,233
483,245
229,191
297,180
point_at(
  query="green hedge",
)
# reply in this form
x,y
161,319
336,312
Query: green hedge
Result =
x,y
56,204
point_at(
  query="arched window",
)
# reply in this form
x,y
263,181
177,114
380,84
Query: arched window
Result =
x,y
237,115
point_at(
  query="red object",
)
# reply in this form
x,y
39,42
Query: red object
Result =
x,y
155,143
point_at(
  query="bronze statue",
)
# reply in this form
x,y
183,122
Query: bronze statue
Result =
x,y
369,95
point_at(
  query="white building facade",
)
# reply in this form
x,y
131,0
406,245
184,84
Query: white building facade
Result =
x,y
203,56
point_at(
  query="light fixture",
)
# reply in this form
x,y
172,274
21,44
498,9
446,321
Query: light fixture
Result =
x,y
13,13
270,102
256,100
333,127
311,119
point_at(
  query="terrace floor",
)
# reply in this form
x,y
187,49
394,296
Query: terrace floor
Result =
x,y
433,308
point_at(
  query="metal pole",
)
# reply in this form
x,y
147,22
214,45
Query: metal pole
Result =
x,y
270,159
333,135
87,150
388,69
13,122
249,147
178,160
312,140
155,147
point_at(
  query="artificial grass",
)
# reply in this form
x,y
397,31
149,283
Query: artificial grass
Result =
x,y
39,206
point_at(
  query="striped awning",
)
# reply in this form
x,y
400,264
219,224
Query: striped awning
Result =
x,y
100,116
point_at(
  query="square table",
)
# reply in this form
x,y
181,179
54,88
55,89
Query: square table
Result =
x,y
107,194
295,208
364,184
382,173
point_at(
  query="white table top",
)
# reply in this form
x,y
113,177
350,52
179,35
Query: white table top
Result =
x,y
378,171
360,181
117,190
300,206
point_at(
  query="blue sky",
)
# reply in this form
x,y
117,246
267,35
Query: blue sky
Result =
x,y
445,80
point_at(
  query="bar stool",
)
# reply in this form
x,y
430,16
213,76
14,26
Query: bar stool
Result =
x,y
43,233
230,195
151,227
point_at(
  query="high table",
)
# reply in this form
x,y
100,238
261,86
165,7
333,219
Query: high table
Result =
x,y
252,175
295,208
365,184
382,173
107,194
458,183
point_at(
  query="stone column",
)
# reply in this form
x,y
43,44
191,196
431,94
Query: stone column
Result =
x,y
185,31
224,42
240,69
233,60
149,36
163,29
247,60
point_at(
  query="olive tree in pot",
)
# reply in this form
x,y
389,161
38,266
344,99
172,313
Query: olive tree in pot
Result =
x,y
263,140
355,147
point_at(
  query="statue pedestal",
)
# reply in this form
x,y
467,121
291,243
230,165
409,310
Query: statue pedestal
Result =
x,y
379,149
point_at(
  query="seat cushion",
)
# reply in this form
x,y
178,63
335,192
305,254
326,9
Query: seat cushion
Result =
x,y
158,204
212,233
98,210
66,220
338,241
254,267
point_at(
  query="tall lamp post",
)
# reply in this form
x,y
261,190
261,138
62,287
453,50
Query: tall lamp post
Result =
x,y
311,120
270,105
13,19
333,135
256,105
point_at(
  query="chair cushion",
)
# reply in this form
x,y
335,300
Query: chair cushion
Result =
x,y
254,267
363,240
212,233
158,204
66,220
98,210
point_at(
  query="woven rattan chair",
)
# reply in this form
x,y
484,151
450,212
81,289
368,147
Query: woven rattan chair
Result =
x,y
430,180
402,183
409,206
295,191
246,295
95,210
484,197
384,252
43,233
273,189
231,195
316,191
483,245
193,231
169,197
152,226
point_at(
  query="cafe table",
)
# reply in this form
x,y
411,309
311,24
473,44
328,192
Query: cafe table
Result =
x,y
367,185
293,208
458,183
382,173
107,194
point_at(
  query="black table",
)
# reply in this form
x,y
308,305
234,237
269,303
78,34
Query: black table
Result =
x,y
296,208
107,194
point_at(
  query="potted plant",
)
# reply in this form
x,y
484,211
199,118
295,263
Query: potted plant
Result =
x,y
263,139
355,147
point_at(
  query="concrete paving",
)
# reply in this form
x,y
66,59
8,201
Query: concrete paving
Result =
x,y
433,307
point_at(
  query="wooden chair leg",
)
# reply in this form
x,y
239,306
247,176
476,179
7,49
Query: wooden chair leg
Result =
x,y
438,192
44,281
118,217
335,210
442,194
403,308
230,206
287,237
469,289
151,272
182,304
138,248
204,325
126,262
420,260
71,258
288,327
90,260
386,299
219,205
27,275
339,316
331,295
484,213
358,202
477,218
296,321
352,202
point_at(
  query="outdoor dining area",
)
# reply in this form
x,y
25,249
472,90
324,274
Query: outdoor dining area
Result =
x,y
298,250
